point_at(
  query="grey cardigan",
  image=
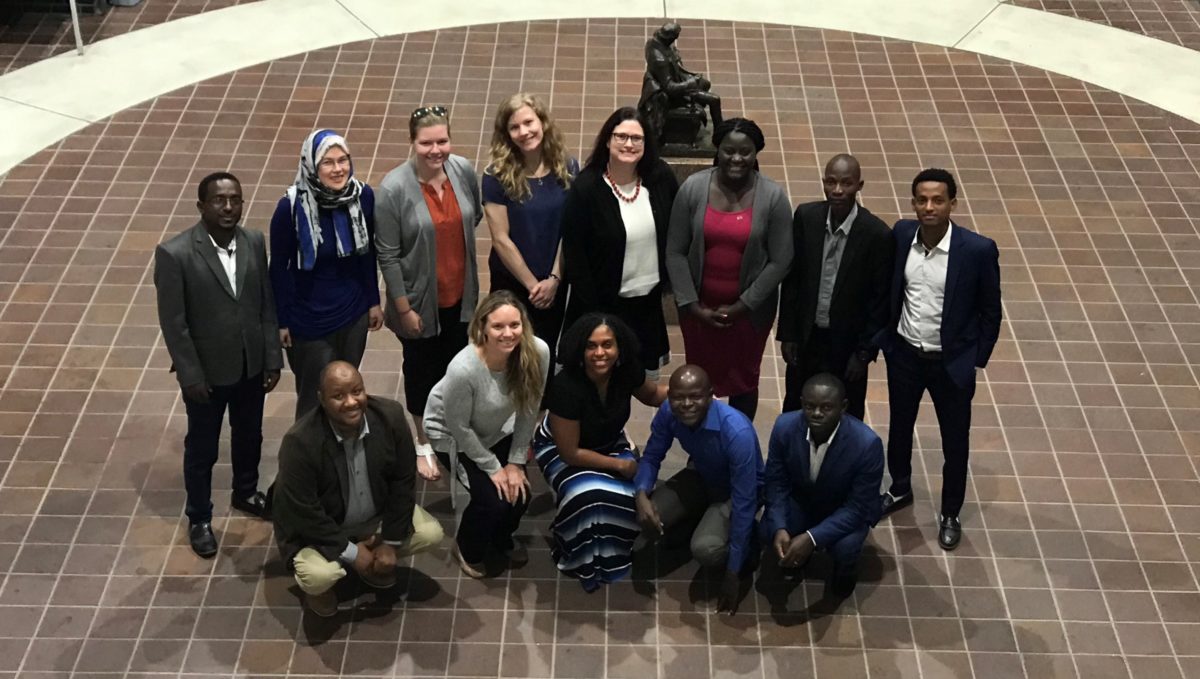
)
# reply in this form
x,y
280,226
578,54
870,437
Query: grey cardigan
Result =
x,y
406,243
765,261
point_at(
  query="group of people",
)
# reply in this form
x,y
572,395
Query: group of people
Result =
x,y
545,366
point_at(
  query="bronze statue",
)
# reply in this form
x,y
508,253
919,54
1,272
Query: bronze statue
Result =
x,y
674,98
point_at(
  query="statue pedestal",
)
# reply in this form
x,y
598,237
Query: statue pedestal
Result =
x,y
682,168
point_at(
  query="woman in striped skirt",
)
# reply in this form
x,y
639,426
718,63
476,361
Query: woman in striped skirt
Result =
x,y
582,449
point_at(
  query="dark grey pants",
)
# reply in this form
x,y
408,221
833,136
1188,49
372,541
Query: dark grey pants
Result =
x,y
308,358
687,513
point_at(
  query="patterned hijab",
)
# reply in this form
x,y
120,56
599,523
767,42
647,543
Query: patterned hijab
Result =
x,y
309,196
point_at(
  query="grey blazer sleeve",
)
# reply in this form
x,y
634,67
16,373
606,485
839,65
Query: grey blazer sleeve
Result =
x,y
679,242
172,318
272,350
779,251
388,241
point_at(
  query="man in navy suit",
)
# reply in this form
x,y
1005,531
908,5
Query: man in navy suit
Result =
x,y
824,468
945,319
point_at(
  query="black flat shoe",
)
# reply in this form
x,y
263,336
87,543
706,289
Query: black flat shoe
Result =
x,y
256,504
891,503
204,543
949,532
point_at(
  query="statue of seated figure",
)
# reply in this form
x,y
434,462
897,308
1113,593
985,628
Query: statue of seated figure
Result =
x,y
674,98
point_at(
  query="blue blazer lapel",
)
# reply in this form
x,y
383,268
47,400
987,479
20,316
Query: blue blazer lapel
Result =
x,y
953,267
208,253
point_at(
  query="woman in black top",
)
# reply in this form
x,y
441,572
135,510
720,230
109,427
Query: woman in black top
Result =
x,y
582,449
615,233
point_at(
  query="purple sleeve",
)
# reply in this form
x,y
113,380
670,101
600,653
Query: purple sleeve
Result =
x,y
368,266
283,259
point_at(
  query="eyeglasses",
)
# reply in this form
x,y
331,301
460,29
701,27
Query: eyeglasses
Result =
x,y
330,163
220,201
622,138
430,111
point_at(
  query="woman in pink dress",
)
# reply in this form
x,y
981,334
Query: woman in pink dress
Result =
x,y
729,246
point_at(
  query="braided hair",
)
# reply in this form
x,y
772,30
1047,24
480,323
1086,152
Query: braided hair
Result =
x,y
745,126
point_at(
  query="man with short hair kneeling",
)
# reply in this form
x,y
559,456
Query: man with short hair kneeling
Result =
x,y
824,469
344,496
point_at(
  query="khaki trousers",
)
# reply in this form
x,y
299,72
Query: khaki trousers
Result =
x,y
316,575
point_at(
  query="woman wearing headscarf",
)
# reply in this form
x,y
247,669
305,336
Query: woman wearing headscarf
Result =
x,y
428,210
729,246
323,269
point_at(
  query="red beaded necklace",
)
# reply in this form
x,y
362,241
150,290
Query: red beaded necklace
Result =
x,y
637,189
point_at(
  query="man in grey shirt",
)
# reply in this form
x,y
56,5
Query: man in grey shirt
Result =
x,y
344,496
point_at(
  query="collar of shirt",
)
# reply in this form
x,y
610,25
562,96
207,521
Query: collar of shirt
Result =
x,y
846,223
812,446
712,419
362,433
229,249
943,245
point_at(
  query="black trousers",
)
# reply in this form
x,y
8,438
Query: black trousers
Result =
x,y
910,373
307,358
820,356
244,400
426,358
488,521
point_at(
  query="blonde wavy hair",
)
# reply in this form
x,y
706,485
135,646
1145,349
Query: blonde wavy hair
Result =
x,y
524,370
507,161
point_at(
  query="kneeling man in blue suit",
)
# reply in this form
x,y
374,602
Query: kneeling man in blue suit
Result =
x,y
824,469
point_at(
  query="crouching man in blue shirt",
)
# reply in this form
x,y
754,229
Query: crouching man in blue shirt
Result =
x,y
719,487
824,470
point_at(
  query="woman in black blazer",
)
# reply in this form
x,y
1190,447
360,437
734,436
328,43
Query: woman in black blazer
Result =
x,y
615,233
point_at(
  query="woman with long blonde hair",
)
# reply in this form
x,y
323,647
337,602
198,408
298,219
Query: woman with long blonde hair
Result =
x,y
496,380
524,188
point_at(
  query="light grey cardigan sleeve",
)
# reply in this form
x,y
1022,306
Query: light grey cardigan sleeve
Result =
x,y
692,195
388,239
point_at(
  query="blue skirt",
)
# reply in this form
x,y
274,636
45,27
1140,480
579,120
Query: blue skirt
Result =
x,y
596,522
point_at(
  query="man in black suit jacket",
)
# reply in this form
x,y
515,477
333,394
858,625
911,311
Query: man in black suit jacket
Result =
x,y
945,320
217,316
345,493
834,301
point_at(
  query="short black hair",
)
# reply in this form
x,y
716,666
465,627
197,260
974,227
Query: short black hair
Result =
x,y
574,342
202,188
827,380
936,174
599,157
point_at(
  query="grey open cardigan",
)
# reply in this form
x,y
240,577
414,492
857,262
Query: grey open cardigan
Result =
x,y
406,243
765,260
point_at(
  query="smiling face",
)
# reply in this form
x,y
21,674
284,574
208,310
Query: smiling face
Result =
x,y
736,156
344,398
432,146
627,143
601,353
221,208
334,169
690,399
933,204
503,329
525,129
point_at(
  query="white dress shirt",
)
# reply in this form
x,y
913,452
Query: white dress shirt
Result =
x,y
228,257
831,259
925,292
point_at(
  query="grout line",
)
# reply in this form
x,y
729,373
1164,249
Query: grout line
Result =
x,y
50,110
972,29
358,19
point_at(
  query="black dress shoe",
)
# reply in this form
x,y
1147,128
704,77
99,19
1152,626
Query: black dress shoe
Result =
x,y
256,504
891,503
842,584
204,543
949,533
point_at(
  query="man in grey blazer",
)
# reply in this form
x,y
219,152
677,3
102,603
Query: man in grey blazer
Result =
x,y
217,316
